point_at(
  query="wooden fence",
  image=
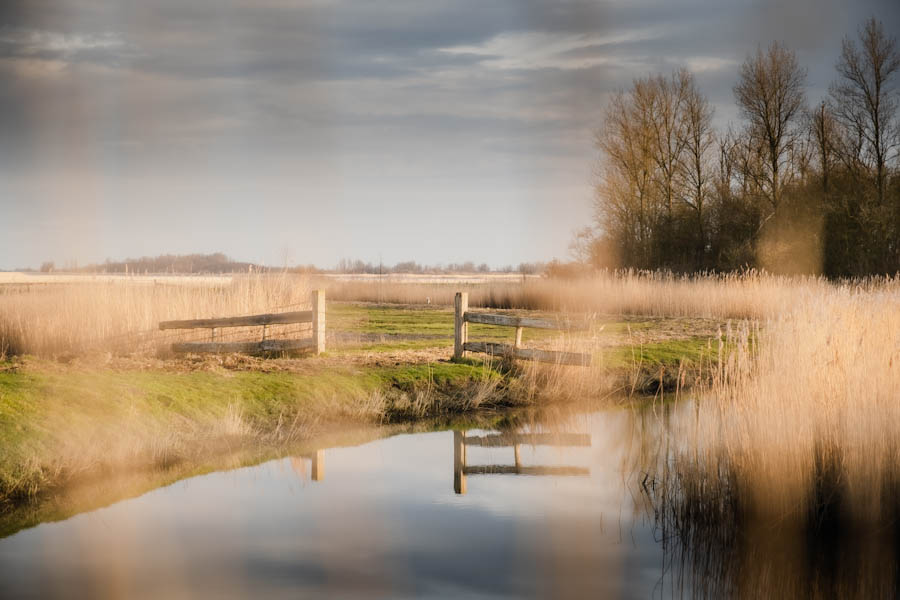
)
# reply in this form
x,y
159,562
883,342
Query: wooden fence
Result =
x,y
461,343
316,342
461,468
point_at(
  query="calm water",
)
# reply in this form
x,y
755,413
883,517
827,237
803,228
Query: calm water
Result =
x,y
378,520
551,508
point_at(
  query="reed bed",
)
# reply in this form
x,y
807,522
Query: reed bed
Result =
x,y
124,316
736,296
811,395
792,453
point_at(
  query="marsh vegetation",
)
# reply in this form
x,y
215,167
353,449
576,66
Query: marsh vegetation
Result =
x,y
784,415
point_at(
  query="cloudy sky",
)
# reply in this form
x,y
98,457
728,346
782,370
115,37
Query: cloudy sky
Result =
x,y
310,131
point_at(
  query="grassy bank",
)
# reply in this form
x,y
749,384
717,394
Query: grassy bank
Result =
x,y
59,423
65,423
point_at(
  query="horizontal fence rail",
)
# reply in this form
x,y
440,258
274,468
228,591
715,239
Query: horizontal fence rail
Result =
x,y
514,321
286,318
243,347
316,342
461,343
577,359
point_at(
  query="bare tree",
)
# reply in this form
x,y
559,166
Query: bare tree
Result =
x,y
825,133
698,141
866,99
664,114
625,195
674,193
770,94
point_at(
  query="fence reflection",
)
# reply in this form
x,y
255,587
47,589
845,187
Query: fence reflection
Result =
x,y
461,468
317,465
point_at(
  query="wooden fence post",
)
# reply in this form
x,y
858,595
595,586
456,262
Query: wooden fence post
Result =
x,y
318,320
460,327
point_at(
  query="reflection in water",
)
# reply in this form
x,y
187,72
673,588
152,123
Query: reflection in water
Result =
x,y
605,518
746,558
717,546
384,523
498,440
316,468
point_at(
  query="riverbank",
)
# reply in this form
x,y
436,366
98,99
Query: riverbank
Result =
x,y
62,423
78,417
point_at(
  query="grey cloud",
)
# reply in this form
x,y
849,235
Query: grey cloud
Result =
x,y
103,48
184,77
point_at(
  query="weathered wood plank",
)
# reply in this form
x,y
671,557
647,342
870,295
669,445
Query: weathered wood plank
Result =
x,y
460,328
300,316
318,320
500,440
548,356
514,321
513,470
244,347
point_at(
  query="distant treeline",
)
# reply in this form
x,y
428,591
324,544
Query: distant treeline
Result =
x,y
168,263
358,266
220,263
791,188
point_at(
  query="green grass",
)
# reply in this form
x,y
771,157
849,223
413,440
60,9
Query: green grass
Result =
x,y
101,394
396,322
424,327
57,423
388,320
691,352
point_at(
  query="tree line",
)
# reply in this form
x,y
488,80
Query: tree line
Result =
x,y
792,188
411,266
218,262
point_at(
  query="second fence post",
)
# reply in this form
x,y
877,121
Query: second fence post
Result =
x,y
318,320
460,327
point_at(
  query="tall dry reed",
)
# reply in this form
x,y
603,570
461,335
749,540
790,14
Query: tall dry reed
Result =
x,y
122,315
782,478
747,295
801,425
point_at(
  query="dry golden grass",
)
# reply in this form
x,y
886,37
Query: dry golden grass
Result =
x,y
801,424
748,295
124,315
781,479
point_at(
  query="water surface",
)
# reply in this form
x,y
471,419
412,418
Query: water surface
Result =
x,y
383,519
542,507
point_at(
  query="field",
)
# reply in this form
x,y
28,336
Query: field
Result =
x,y
795,379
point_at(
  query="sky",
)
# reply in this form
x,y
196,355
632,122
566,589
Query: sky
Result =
x,y
298,132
